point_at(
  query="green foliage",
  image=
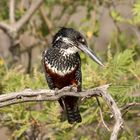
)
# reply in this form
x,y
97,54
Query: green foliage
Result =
x,y
135,20
3,10
118,66
136,12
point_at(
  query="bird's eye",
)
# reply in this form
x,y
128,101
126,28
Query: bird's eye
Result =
x,y
81,39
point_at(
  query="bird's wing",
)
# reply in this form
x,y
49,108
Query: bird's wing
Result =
x,y
47,76
78,76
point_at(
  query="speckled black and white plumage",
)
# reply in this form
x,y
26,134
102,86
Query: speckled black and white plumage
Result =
x,y
62,66
60,62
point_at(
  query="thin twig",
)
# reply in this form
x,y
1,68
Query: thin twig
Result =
x,y
101,114
12,11
130,105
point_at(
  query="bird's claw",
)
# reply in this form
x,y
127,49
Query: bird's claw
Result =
x,y
73,88
56,91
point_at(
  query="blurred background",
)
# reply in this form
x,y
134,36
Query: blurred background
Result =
x,y
112,29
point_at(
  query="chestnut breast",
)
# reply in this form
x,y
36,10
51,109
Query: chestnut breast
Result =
x,y
62,79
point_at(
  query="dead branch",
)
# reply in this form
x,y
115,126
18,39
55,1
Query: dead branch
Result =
x,y
12,29
29,95
28,15
130,105
101,114
116,113
12,11
16,26
6,28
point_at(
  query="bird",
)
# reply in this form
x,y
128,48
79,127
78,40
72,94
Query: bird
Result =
x,y
62,67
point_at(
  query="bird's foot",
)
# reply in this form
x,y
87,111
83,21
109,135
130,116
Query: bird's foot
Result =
x,y
56,91
73,88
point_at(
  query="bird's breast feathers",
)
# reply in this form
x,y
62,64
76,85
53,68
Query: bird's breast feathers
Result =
x,y
62,72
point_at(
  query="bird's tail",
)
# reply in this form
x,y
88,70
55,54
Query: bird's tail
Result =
x,y
72,109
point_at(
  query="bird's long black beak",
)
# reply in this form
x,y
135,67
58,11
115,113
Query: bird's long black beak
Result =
x,y
91,54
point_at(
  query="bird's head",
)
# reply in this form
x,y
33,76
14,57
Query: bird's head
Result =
x,y
73,42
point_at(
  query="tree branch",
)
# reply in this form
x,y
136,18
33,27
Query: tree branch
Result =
x,y
129,105
29,95
16,26
28,15
6,27
12,11
116,113
47,21
101,114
